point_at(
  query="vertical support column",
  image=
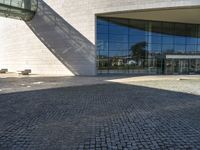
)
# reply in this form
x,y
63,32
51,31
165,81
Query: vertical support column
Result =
x,y
197,69
149,39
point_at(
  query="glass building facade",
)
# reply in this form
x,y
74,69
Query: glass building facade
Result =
x,y
147,47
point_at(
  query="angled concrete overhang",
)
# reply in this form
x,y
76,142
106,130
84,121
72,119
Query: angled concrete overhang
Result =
x,y
177,14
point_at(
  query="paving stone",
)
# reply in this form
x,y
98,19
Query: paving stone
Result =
x,y
107,116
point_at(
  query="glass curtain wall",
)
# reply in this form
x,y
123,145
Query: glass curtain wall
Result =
x,y
140,47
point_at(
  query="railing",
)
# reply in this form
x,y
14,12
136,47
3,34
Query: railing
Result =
x,y
20,9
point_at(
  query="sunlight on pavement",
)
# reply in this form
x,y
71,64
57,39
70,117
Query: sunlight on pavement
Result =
x,y
37,83
185,84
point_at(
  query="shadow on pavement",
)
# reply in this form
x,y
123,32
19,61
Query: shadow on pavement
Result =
x,y
110,116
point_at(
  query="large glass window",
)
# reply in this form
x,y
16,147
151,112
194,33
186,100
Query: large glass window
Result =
x,y
139,46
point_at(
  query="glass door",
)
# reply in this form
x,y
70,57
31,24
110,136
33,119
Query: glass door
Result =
x,y
183,66
176,66
192,66
169,69
197,68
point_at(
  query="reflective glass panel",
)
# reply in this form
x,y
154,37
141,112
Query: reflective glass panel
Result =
x,y
139,46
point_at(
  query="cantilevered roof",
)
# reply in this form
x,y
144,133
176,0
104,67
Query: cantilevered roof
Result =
x,y
181,15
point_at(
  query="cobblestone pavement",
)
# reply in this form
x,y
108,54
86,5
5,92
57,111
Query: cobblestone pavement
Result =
x,y
103,116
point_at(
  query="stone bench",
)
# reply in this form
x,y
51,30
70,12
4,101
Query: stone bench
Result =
x,y
3,70
25,72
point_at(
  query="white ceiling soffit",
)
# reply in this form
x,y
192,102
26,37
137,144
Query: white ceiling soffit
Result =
x,y
183,15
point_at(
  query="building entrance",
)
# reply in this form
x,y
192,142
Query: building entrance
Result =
x,y
182,66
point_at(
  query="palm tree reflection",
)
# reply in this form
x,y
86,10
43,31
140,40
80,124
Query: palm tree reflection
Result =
x,y
138,54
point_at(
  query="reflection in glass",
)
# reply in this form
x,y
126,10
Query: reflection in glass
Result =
x,y
102,29
118,38
180,40
198,49
102,59
138,46
102,42
137,39
156,39
156,49
192,40
168,39
179,48
191,49
118,26
118,46
138,28
168,28
102,21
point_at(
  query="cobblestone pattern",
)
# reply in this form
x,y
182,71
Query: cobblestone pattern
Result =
x,y
109,116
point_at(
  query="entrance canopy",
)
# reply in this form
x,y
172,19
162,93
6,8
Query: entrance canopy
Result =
x,y
20,9
180,15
